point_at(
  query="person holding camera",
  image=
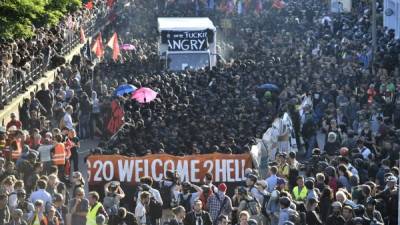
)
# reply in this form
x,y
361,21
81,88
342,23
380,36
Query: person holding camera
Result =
x,y
113,195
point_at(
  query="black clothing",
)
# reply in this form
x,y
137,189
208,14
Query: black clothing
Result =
x,y
335,220
312,218
203,218
175,222
128,220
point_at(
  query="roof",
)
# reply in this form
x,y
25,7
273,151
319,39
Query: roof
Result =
x,y
185,23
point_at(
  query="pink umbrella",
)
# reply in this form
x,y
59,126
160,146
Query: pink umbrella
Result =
x,y
144,95
128,47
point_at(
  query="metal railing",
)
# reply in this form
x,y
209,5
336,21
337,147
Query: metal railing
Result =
x,y
18,80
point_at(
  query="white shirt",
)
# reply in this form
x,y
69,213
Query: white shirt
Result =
x,y
13,200
68,121
45,153
140,213
41,194
365,152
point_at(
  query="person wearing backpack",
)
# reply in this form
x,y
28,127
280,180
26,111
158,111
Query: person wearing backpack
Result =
x,y
219,204
198,216
262,190
286,213
253,191
186,198
308,130
250,204
155,205
167,187
273,208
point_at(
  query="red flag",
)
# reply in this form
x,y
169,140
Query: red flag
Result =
x,y
278,4
110,3
113,44
98,47
89,5
83,37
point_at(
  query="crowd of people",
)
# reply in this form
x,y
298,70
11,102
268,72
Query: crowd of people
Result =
x,y
345,169
25,60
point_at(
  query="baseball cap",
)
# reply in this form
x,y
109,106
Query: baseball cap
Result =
x,y
391,179
280,181
222,187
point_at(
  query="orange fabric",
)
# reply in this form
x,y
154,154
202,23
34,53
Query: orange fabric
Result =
x,y
59,154
224,167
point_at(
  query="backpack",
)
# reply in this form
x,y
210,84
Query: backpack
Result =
x,y
253,206
264,205
308,127
294,216
111,204
166,195
185,202
155,208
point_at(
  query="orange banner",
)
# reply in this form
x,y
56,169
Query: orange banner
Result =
x,y
225,168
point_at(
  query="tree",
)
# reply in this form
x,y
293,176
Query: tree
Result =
x,y
18,17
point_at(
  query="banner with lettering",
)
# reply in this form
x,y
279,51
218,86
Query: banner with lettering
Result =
x,y
187,40
225,168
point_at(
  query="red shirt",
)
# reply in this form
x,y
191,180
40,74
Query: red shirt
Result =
x,y
16,123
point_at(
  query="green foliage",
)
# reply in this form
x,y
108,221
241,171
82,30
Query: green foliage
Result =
x,y
18,16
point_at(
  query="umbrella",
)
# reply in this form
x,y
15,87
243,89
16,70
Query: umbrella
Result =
x,y
269,87
128,47
124,89
144,95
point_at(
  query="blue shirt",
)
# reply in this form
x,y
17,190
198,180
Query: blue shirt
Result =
x,y
41,194
271,181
